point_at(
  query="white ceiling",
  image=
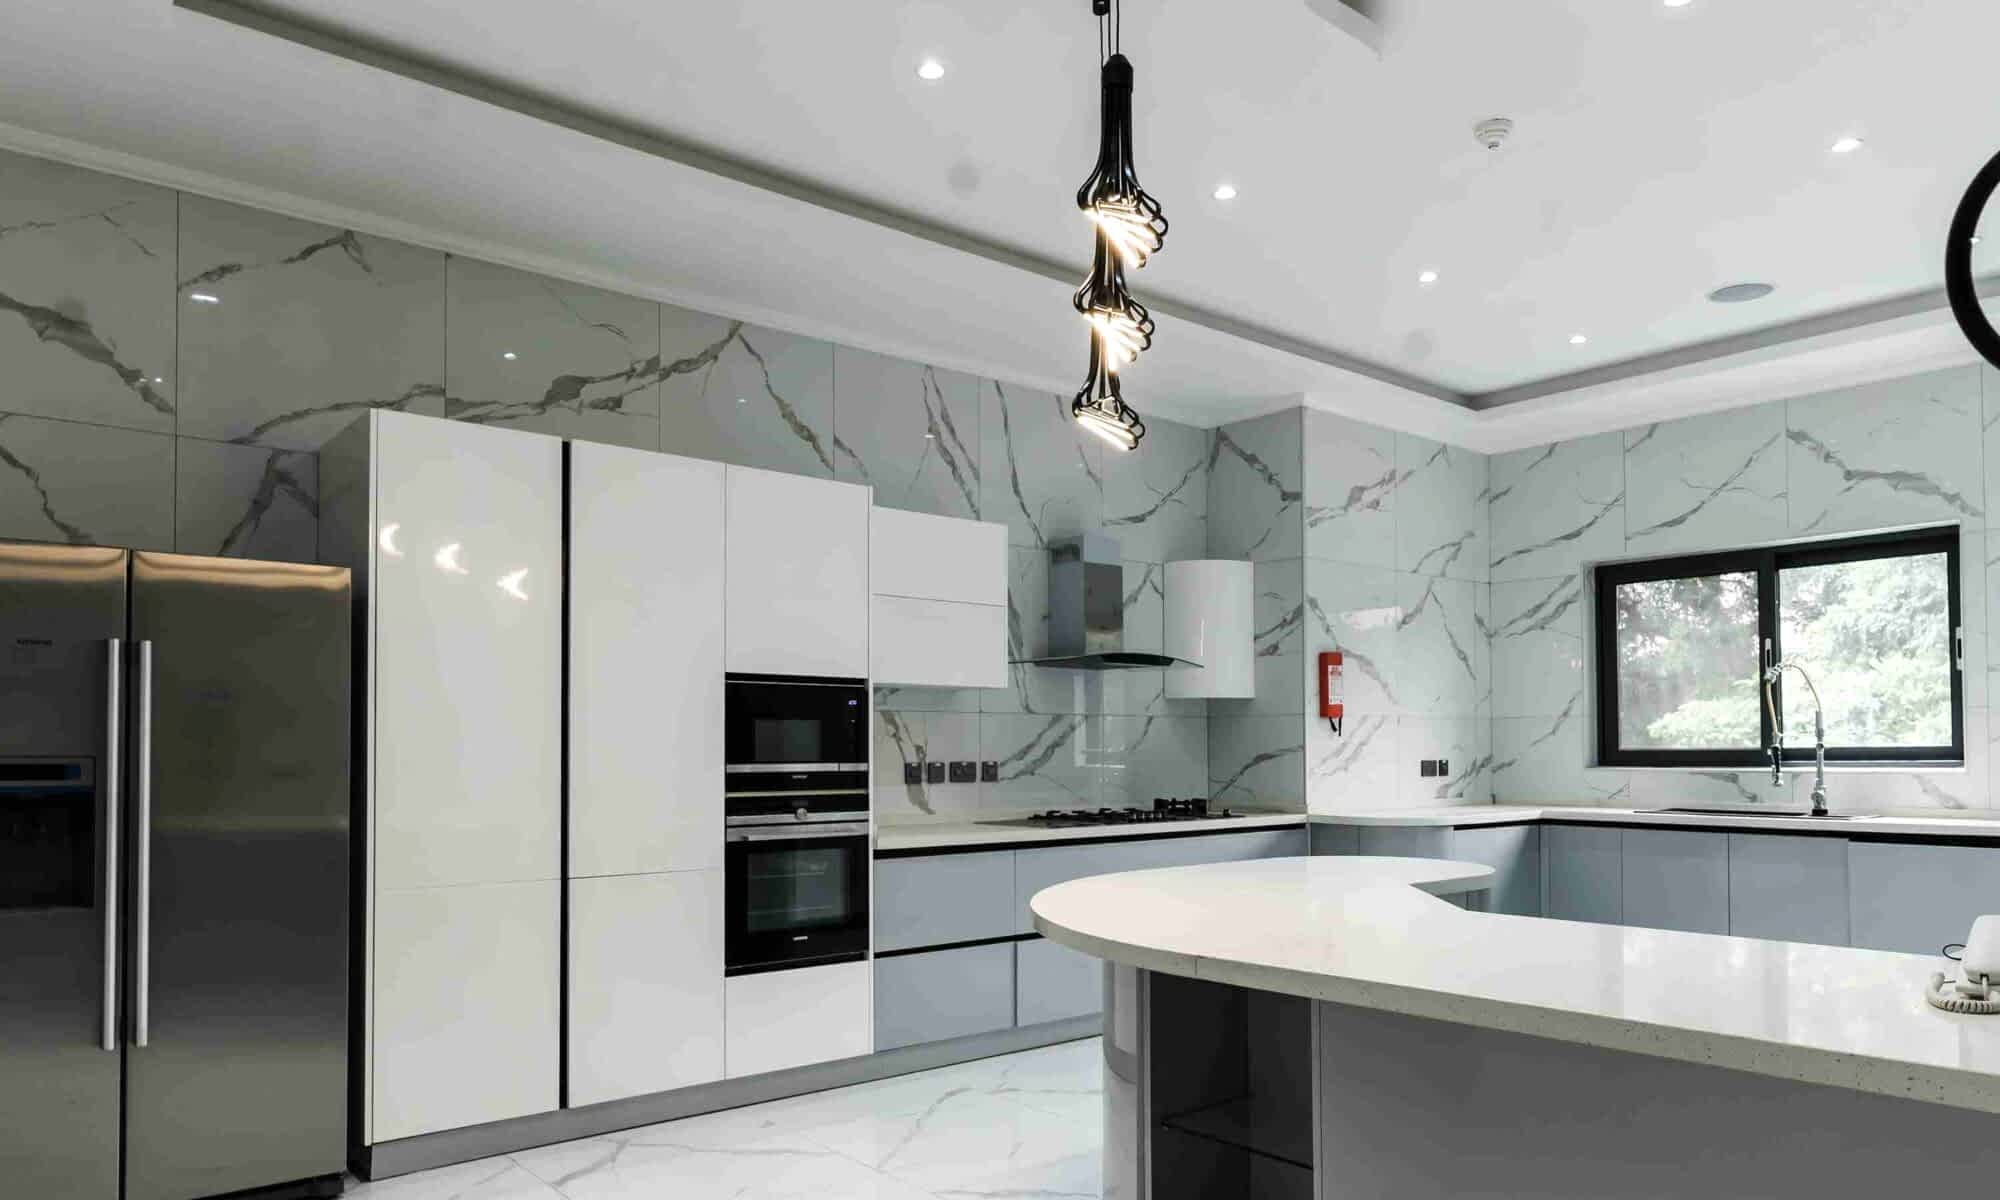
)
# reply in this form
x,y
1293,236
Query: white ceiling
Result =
x,y
1660,152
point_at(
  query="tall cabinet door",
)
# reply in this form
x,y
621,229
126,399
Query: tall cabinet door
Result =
x,y
465,845
798,575
60,609
467,654
646,662
239,984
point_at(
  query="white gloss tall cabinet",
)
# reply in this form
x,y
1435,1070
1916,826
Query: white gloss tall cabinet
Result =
x,y
454,534
646,648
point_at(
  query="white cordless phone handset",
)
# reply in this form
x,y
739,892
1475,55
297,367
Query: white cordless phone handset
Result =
x,y
1977,989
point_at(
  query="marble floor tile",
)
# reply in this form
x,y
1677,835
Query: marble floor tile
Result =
x,y
1019,1125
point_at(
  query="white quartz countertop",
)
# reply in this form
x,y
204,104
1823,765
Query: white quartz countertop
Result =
x,y
1364,931
950,835
1502,814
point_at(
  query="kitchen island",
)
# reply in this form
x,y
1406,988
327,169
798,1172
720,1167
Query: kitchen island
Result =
x,y
1333,1027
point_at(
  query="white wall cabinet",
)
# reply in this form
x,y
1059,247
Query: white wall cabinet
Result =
x,y
645,984
938,643
646,634
1209,620
465,1003
940,600
797,578
782,1019
937,558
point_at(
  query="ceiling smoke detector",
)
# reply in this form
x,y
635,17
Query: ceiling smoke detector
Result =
x,y
1493,132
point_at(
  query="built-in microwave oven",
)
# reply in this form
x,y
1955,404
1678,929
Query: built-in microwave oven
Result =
x,y
779,723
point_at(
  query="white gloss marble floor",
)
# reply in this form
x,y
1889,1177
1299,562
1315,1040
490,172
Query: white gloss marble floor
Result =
x,y
1027,1125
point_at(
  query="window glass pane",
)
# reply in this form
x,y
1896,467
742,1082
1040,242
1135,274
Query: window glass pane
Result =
x,y
1687,663
1876,638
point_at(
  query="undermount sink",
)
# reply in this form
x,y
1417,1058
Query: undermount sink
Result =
x,y
1755,812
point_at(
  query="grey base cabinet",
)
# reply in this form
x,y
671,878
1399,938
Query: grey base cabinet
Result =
x,y
1055,983
1583,874
1918,899
1677,879
1513,851
1790,889
943,994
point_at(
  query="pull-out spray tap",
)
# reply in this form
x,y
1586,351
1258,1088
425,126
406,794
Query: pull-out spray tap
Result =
x,y
1771,674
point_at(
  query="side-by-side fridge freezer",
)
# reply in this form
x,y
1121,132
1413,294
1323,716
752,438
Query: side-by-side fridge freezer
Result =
x,y
174,873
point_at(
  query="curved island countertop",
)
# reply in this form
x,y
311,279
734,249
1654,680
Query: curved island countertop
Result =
x,y
1368,932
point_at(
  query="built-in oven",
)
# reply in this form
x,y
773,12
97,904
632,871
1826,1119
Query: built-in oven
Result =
x,y
797,888
782,723
795,818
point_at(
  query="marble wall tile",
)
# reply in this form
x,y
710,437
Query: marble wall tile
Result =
x,y
1354,770
1038,472
1975,584
1350,490
1144,693
246,501
1439,668
524,351
1544,759
917,737
1356,610
910,431
1442,509
740,394
1557,508
926,699
1256,488
310,325
63,481
1156,498
1257,762
1033,689
1145,758
1045,761
86,295
1466,745
1700,483
1900,452
1537,629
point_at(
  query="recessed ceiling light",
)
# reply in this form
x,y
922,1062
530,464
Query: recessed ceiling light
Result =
x,y
1739,293
1225,191
204,298
509,355
1577,339
1846,145
1427,278
930,68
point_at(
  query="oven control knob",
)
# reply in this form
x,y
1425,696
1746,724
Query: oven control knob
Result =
x,y
803,813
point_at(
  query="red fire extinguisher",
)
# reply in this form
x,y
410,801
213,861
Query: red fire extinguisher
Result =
x,y
1329,689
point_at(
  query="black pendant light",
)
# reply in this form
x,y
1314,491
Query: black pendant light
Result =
x,y
1130,230
1960,287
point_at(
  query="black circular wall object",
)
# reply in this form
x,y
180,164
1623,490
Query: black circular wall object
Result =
x,y
1959,287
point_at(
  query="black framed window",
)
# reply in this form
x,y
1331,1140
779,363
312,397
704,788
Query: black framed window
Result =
x,y
1682,644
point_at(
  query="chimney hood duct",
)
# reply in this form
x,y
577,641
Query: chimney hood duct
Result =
x,y
1087,611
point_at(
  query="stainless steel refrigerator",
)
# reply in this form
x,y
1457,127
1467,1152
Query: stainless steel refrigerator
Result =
x,y
174,873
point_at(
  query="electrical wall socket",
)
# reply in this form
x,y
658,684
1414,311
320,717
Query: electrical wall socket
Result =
x,y
989,772
1427,767
933,772
913,773
964,771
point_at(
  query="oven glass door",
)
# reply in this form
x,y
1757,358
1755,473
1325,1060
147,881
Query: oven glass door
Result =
x,y
797,723
796,901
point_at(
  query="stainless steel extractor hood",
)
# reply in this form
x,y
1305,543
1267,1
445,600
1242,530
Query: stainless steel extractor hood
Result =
x,y
1087,611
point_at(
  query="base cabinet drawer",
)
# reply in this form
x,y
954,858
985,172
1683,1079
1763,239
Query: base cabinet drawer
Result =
x,y
942,994
781,1019
940,899
1055,983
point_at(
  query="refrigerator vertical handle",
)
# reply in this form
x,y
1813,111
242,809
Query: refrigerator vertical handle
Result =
x,y
142,854
113,776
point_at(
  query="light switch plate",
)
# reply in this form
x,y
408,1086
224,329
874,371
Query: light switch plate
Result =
x,y
964,771
989,772
934,772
